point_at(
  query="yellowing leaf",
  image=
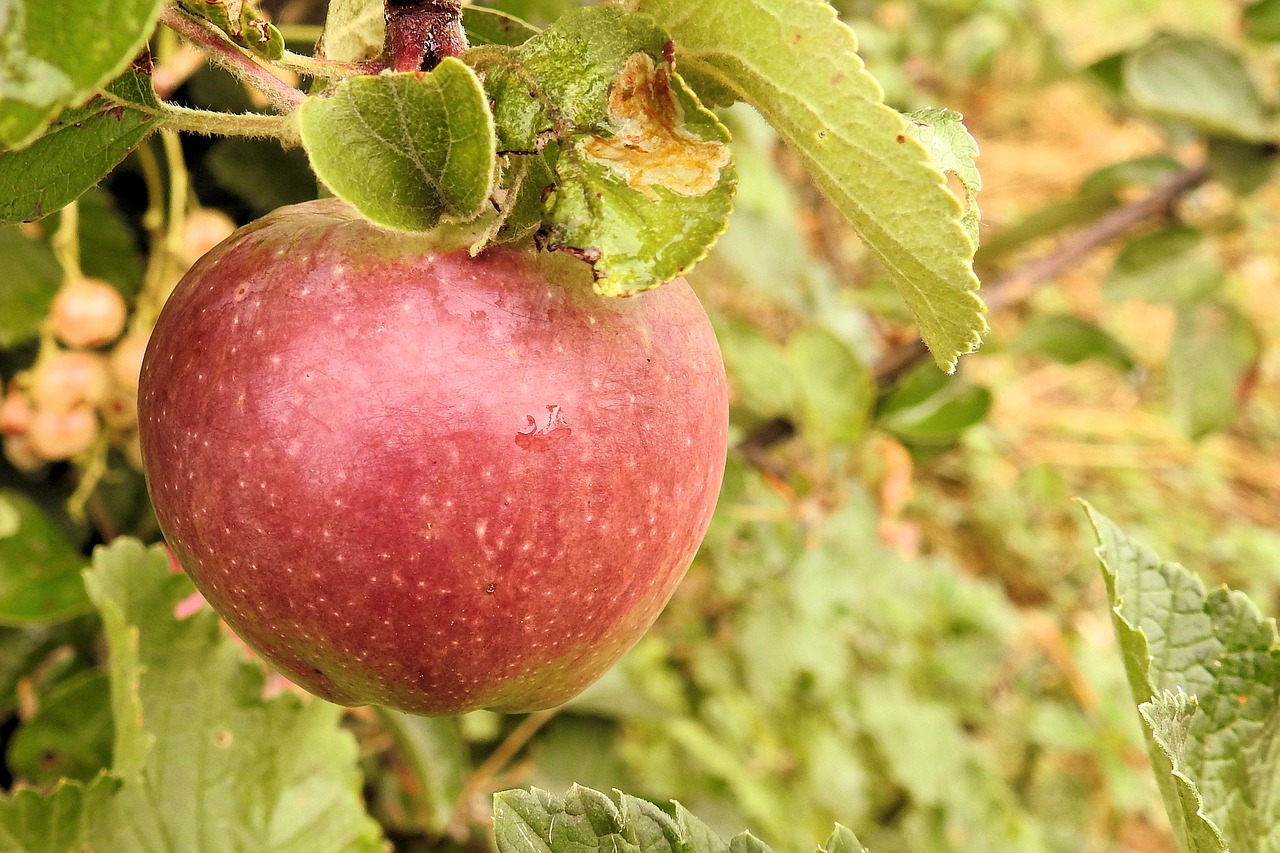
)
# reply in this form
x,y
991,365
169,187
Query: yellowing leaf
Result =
x,y
651,147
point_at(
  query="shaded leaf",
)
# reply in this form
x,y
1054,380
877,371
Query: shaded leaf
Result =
x,y
78,151
39,567
796,63
70,734
1171,265
406,150
242,22
32,277
64,820
1198,82
1214,353
1070,340
928,408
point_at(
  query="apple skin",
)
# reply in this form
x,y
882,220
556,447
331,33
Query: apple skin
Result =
x,y
413,478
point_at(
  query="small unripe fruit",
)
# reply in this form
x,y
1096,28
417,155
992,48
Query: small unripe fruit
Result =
x,y
202,230
126,360
88,312
15,413
18,452
56,436
64,380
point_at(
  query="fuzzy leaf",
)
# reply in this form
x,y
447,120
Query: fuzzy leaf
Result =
x,y
406,150
78,151
57,55
206,762
1216,757
353,30
796,63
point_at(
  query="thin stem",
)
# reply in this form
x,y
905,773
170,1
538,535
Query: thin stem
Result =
x,y
325,69
66,242
252,125
283,97
487,771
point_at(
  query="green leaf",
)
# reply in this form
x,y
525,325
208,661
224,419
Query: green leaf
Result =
x,y
1176,637
57,55
488,26
1262,21
758,370
952,150
32,276
242,22
39,568
107,242
206,762
70,734
1211,364
406,150
928,408
64,820
536,821
643,185
843,841
78,151
353,30
1070,340
796,63
1172,265
836,390
434,755
1197,82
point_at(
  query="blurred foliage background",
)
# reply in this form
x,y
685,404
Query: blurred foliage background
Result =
x,y
895,622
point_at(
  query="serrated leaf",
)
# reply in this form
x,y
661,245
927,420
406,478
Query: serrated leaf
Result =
x,y
32,278
796,63
78,150
206,763
1214,354
57,55
644,180
242,22
406,150
536,821
1198,82
952,150
39,568
1176,636
63,820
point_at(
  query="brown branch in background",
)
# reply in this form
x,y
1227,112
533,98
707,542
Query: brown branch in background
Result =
x,y
1018,285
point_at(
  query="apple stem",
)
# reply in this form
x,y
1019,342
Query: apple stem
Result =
x,y
420,33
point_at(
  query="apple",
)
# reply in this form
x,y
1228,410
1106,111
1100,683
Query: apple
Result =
x,y
415,478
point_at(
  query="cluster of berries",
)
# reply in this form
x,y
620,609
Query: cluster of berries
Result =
x,y
84,387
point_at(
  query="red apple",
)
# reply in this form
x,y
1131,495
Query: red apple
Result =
x,y
418,479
